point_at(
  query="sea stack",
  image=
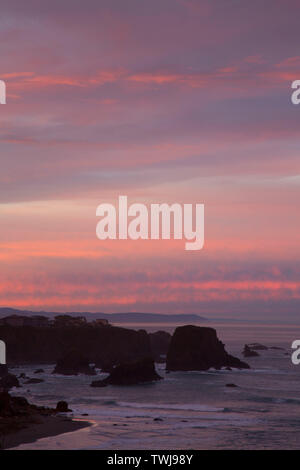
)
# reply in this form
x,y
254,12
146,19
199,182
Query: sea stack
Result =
x,y
133,373
248,352
198,348
73,363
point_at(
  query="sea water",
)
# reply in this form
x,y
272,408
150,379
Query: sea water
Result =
x,y
186,410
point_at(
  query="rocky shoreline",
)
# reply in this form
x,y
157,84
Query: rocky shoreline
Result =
x,y
128,356
47,426
22,422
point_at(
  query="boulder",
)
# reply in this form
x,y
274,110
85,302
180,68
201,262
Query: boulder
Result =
x,y
73,363
62,407
198,348
39,371
98,384
34,381
9,381
23,376
231,385
131,373
247,352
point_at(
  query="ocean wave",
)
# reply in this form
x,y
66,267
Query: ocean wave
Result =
x,y
167,406
275,400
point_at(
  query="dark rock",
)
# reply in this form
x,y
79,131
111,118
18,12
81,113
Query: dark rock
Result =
x,y
247,352
5,406
22,376
73,363
13,406
39,371
62,407
258,347
18,409
20,401
9,381
122,345
107,346
98,383
198,348
34,381
277,348
157,419
133,373
3,370
231,385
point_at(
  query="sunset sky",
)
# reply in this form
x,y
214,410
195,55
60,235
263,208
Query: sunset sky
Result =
x,y
164,101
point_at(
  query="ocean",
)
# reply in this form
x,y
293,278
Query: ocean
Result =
x,y
186,410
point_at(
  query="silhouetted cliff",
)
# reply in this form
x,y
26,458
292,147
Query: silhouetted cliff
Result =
x,y
198,348
103,345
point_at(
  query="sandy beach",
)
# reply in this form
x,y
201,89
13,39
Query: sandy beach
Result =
x,y
44,426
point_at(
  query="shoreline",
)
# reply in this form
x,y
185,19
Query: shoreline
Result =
x,y
46,426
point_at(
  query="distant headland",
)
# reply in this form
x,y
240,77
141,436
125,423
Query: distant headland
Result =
x,y
127,317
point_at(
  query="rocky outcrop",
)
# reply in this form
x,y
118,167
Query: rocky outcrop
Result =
x,y
131,374
34,381
9,381
73,363
11,406
160,342
247,352
99,383
119,345
62,407
198,348
19,406
105,347
23,376
3,370
16,413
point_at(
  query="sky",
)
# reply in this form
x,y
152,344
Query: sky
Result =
x,y
185,101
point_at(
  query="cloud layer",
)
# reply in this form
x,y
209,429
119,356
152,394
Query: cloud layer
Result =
x,y
174,101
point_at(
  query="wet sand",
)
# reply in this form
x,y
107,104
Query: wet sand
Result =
x,y
45,426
